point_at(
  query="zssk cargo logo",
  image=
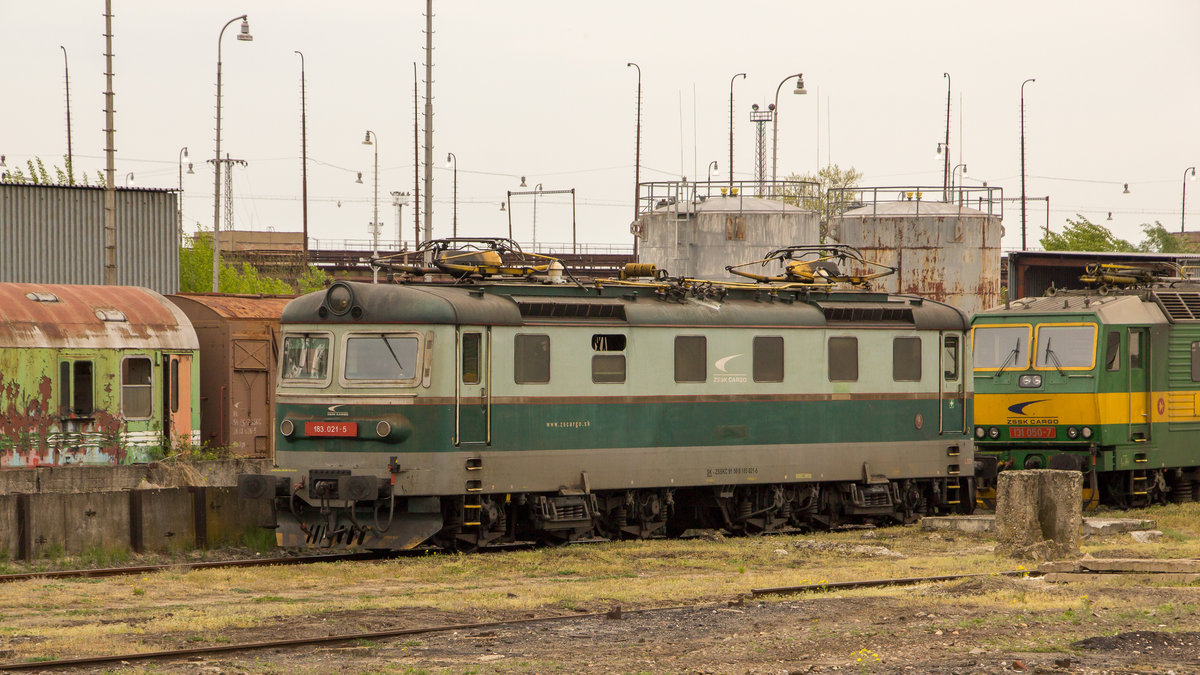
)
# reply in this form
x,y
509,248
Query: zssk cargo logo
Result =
x,y
335,412
1025,417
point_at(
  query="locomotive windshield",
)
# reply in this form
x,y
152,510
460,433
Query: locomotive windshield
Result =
x,y
1001,347
381,357
1065,347
305,357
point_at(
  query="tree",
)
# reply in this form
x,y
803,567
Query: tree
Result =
x,y
1158,240
1082,234
195,273
39,175
829,178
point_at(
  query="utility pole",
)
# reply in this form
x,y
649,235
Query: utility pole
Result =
x,y
70,152
1023,245
428,120
304,155
946,169
110,179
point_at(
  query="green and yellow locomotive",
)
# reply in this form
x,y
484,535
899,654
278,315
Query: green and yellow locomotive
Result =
x,y
1103,380
513,404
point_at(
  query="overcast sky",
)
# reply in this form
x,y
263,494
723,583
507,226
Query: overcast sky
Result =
x,y
541,89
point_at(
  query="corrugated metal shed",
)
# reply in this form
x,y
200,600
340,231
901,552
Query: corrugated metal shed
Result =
x,y
54,234
110,317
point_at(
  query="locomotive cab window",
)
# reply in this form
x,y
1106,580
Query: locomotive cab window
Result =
x,y
843,359
1001,347
1065,347
691,358
950,358
136,388
306,358
906,359
1112,353
387,357
768,359
531,359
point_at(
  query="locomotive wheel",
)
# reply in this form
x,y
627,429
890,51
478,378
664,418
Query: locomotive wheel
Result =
x,y
966,505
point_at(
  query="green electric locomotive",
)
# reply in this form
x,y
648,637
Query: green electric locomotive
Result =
x,y
515,404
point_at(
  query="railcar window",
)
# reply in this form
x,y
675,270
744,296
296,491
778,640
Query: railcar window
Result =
x,y
64,387
1196,362
691,358
1135,349
381,357
1112,353
531,359
950,358
136,400
1065,347
1001,347
843,359
175,385
470,357
906,359
768,359
305,357
81,402
608,342
608,368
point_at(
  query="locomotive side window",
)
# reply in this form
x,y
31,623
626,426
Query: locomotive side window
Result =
x,y
610,342
81,402
1135,350
950,358
136,387
843,359
906,359
381,357
691,358
1112,353
531,354
768,359
608,368
470,357
1196,362
305,357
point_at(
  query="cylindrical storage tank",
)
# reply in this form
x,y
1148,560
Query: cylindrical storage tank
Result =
x,y
699,238
941,251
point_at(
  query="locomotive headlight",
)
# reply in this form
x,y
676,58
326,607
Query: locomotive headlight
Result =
x,y
1086,431
339,298
1072,433
287,427
382,429
980,432
993,433
1029,381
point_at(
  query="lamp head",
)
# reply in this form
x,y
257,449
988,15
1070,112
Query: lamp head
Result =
x,y
185,151
1110,215
1126,189
501,206
359,179
244,35
449,158
800,85
367,138
1191,178
522,181
190,168
2,164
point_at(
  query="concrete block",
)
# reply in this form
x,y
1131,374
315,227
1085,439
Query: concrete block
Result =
x,y
9,539
1146,536
162,520
73,523
1115,525
228,518
1039,513
971,524
14,481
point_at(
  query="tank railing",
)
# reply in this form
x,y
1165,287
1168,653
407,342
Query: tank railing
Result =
x,y
989,200
679,198
394,245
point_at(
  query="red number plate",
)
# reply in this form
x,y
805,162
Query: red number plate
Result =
x,y
330,428
1031,432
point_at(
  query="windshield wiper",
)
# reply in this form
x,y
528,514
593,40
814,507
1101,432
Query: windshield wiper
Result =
x,y
1012,356
393,353
1050,355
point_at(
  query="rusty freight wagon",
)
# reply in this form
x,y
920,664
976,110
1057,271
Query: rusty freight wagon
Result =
x,y
239,344
94,375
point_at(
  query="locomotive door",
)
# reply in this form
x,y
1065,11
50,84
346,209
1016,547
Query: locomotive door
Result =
x,y
177,381
953,413
473,387
1139,385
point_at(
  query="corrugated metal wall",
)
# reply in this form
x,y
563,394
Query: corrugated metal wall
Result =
x,y
54,234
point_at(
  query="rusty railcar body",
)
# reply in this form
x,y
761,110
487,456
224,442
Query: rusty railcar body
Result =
x,y
239,345
94,375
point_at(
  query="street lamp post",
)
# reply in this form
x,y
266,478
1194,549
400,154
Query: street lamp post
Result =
x,y
1183,207
963,176
712,166
1023,246
400,200
775,121
375,217
452,160
731,80
637,155
129,179
244,36
179,199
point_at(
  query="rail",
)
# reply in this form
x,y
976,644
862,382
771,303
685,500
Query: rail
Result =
x,y
680,198
989,200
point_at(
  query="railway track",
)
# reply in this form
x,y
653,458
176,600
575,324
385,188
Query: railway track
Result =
x,y
425,630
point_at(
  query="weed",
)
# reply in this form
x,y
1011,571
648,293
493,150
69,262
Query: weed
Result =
x,y
259,539
269,598
139,591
